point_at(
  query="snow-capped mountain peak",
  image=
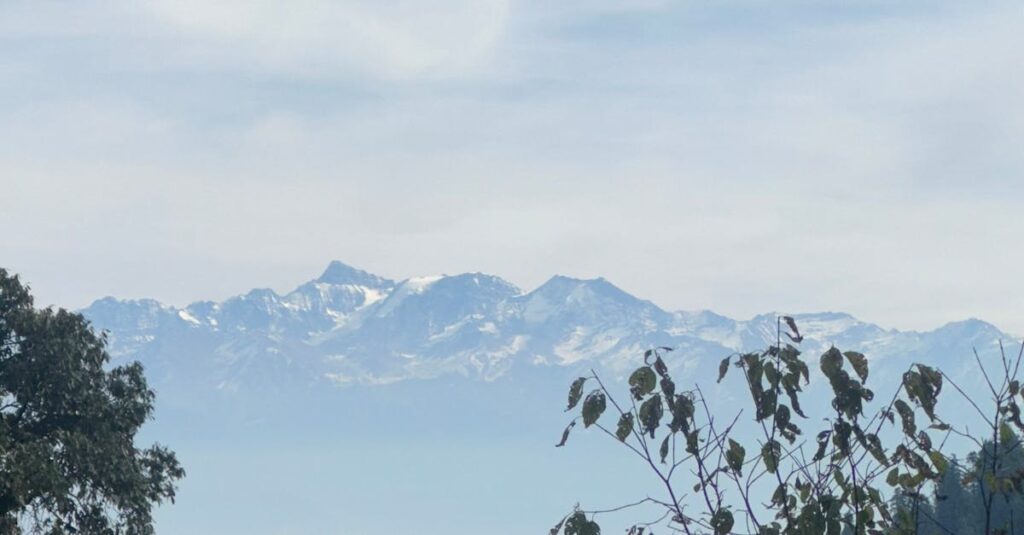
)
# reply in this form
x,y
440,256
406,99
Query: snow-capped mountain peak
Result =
x,y
338,272
349,326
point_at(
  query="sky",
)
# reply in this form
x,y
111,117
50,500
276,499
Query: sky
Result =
x,y
737,156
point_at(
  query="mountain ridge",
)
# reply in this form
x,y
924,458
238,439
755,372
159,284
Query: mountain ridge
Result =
x,y
348,326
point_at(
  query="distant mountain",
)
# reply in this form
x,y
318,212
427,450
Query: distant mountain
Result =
x,y
349,327
353,388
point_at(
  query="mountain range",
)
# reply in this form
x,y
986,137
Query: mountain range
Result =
x,y
353,392
348,327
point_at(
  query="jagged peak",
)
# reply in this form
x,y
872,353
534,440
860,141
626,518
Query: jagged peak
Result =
x,y
771,317
969,325
562,287
703,314
420,284
480,279
417,285
262,294
338,272
104,301
562,282
826,315
110,301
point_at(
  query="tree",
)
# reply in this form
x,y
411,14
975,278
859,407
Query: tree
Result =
x,y
68,459
913,513
771,478
954,503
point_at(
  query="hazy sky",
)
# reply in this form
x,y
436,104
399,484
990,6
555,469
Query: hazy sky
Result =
x,y
737,156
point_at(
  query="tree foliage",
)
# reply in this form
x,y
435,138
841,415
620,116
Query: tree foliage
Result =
x,y
772,472
68,459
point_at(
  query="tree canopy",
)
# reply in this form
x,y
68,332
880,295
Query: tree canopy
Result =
x,y
68,420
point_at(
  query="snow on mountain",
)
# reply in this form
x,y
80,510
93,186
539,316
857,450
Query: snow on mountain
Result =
x,y
425,327
351,327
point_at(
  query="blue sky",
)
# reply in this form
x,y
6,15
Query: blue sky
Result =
x,y
738,156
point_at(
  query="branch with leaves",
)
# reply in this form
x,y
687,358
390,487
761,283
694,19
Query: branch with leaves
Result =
x,y
709,483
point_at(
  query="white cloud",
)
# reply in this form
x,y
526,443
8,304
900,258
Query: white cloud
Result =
x,y
394,40
320,39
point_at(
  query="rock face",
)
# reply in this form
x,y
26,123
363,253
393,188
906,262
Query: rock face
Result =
x,y
349,327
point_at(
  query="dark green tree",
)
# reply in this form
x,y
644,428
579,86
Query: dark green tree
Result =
x,y
958,503
68,459
955,504
998,485
913,513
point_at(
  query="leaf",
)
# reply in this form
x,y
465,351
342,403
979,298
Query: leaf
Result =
x,y
874,496
874,446
669,389
771,374
859,363
625,427
565,434
734,456
839,477
722,522
577,524
575,392
791,356
923,386
932,376
650,414
893,478
663,450
924,441
771,452
692,442
907,417
792,385
682,412
779,496
723,368
593,407
782,416
642,382
660,367
767,404
822,445
1005,433
831,363
939,460
796,337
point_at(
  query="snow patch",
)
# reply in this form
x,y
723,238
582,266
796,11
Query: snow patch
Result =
x,y
371,296
569,351
420,284
824,328
188,317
